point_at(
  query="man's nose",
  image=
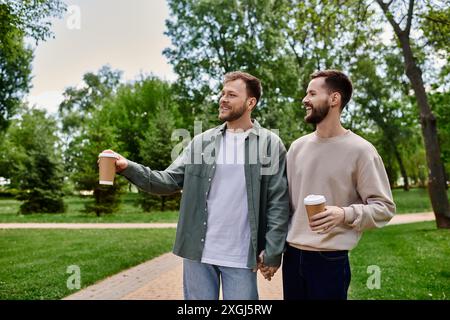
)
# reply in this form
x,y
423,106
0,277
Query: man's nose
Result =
x,y
304,100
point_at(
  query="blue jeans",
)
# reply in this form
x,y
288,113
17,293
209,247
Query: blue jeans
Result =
x,y
315,275
201,281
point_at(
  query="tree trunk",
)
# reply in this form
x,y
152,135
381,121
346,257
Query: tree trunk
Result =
x,y
445,177
97,201
163,203
436,180
402,168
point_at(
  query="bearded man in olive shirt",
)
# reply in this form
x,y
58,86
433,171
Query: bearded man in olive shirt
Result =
x,y
346,169
234,207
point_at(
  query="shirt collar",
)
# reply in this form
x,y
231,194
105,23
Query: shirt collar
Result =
x,y
254,130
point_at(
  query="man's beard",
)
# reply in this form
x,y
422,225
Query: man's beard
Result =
x,y
317,113
233,114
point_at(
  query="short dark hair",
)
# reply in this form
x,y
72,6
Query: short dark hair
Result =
x,y
338,81
252,83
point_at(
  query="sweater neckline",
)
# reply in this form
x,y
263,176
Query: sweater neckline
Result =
x,y
316,138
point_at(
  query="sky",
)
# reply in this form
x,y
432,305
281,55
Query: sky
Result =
x,y
126,34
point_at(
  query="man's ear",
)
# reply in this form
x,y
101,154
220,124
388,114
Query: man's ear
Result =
x,y
336,99
251,103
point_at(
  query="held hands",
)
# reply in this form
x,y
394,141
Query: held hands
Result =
x,y
325,221
121,162
267,271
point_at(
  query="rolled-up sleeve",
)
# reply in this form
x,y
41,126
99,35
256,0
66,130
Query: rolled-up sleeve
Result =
x,y
158,182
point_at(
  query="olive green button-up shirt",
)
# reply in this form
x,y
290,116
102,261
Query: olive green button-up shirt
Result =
x,y
192,172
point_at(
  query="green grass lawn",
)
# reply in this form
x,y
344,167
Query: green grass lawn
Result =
x,y
128,212
33,263
414,261
415,200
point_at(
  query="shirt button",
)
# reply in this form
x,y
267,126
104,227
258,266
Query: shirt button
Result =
x,y
206,209
214,167
206,193
203,240
204,223
209,179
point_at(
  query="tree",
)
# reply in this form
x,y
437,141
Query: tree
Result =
x,y
440,103
31,17
79,104
98,136
41,184
281,42
385,102
134,106
17,20
436,27
211,38
437,181
34,161
144,115
15,68
86,132
155,149
107,114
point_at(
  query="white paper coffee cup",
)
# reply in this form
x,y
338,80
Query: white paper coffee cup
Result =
x,y
107,168
314,204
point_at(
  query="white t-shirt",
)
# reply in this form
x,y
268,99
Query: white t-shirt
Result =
x,y
228,230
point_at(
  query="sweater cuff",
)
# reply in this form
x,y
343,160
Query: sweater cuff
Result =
x,y
128,171
350,216
272,261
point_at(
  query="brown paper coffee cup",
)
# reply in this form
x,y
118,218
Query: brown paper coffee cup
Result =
x,y
314,204
107,168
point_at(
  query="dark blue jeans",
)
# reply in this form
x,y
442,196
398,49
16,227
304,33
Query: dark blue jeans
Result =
x,y
315,275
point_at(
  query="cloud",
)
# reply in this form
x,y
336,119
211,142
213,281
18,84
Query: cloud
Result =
x,y
47,100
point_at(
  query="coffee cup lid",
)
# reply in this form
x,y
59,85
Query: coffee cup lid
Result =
x,y
314,199
108,155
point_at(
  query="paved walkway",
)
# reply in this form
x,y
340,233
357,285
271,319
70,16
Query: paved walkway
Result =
x,y
161,278
158,279
397,219
412,217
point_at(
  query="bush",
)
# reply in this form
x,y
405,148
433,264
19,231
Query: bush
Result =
x,y
41,184
39,200
8,192
31,156
68,188
107,199
149,202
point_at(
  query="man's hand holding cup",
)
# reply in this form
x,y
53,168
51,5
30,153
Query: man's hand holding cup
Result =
x,y
322,218
110,163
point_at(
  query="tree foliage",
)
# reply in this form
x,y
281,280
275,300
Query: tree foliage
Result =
x,y
19,19
31,154
144,115
155,149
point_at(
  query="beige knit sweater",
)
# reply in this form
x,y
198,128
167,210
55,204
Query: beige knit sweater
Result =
x,y
349,172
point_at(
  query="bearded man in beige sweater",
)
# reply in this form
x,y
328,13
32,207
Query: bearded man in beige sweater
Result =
x,y
346,169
